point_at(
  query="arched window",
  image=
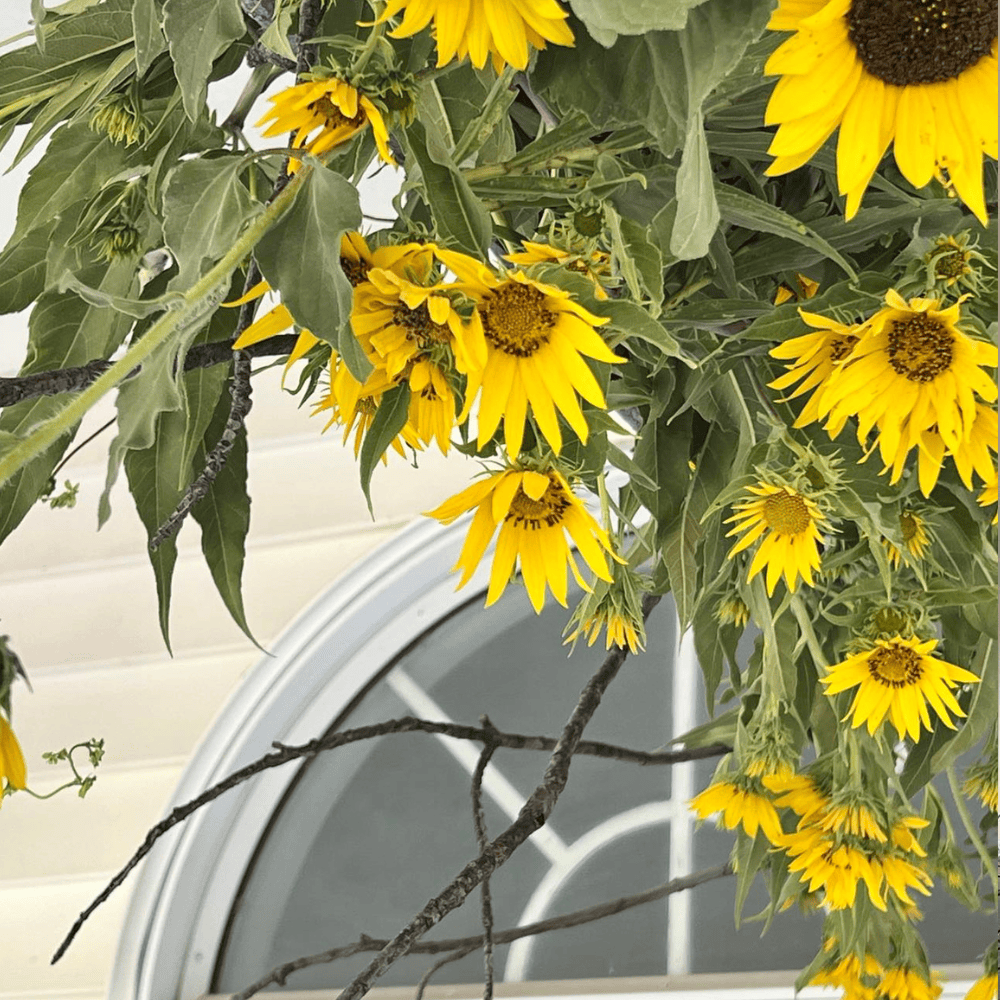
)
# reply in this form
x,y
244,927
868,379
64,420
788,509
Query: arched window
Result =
x,y
313,854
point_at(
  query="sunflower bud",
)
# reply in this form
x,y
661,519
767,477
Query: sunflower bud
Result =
x,y
120,119
117,239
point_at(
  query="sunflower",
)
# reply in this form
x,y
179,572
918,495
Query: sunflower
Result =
x,y
503,29
853,817
912,370
805,288
534,509
897,677
913,528
332,106
902,983
732,610
917,72
792,522
981,782
814,357
398,321
836,868
984,988
989,495
799,793
432,404
740,804
12,767
536,337
595,265
850,974
622,630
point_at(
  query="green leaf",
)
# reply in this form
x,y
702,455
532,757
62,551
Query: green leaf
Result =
x,y
137,308
634,321
63,332
742,209
224,517
662,451
74,43
607,19
204,208
697,212
148,34
679,549
76,164
386,424
22,270
198,31
300,256
461,218
156,477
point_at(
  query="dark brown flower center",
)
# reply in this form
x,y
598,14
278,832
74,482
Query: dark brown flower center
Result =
x,y
356,270
920,348
516,321
895,666
842,346
905,42
333,115
786,513
952,265
419,327
908,526
548,509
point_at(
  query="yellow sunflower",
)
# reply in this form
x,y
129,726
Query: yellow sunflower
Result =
x,y
503,29
843,815
595,265
913,528
814,356
739,805
791,522
850,974
984,988
902,983
534,510
912,370
989,495
12,768
732,610
397,321
916,73
536,340
981,782
622,629
432,404
897,677
806,288
324,114
798,792
835,868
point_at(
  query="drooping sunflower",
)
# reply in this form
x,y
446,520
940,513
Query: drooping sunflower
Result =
x,y
797,792
981,782
739,804
904,983
813,358
843,815
913,528
984,988
897,677
324,114
12,767
913,369
534,509
855,976
595,264
833,867
791,522
432,404
805,288
536,340
506,30
919,73
988,497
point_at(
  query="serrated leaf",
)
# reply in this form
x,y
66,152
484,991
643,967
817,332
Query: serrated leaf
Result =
x,y
386,424
461,218
204,208
224,517
63,332
197,32
300,256
148,33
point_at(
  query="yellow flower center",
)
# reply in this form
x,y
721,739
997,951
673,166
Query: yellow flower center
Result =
x,y
335,118
840,347
921,41
786,513
895,666
920,348
548,509
952,265
419,327
356,270
516,321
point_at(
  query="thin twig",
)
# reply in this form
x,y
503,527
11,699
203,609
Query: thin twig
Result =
x,y
284,754
455,956
310,14
532,817
482,842
562,922
83,444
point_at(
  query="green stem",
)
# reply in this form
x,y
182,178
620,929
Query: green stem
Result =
x,y
686,292
815,649
55,791
196,305
492,170
370,43
473,133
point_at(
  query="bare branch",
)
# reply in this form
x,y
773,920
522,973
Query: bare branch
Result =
x,y
532,816
563,922
284,754
482,842
455,956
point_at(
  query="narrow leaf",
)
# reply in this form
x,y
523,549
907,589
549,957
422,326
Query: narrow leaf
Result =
x,y
387,423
